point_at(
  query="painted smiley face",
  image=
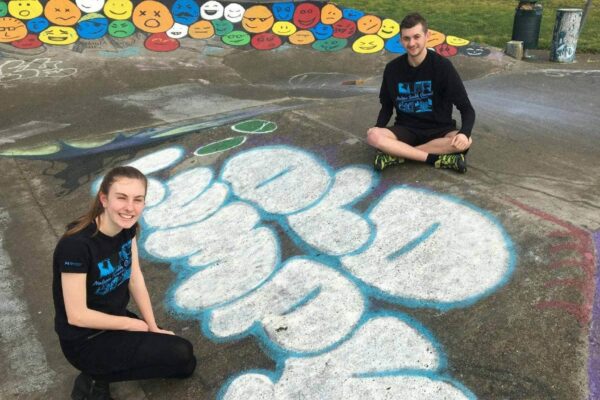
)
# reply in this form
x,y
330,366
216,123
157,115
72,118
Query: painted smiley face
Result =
x,y
301,38
185,12
368,44
389,28
177,31
236,38
201,30
25,9
222,27
257,19
266,41
322,31
369,24
121,29
343,29
284,28
283,11
435,38
234,12
92,26
330,45
37,25
394,45
212,10
62,12
456,41
160,42
3,9
11,29
446,50
307,15
90,6
59,35
330,14
118,9
474,50
152,16
352,14
30,41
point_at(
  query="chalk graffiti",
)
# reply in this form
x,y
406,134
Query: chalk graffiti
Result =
x,y
312,311
13,70
260,26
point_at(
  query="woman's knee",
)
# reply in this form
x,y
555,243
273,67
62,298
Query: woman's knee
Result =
x,y
182,355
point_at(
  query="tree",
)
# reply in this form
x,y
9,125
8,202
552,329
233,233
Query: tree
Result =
x,y
586,8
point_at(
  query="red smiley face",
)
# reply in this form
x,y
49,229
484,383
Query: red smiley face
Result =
x,y
343,29
161,42
306,16
30,41
266,41
446,50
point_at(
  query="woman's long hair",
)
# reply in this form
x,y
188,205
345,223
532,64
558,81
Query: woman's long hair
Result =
x,y
96,208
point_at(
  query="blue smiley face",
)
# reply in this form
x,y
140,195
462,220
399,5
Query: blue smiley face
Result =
x,y
93,28
352,14
322,31
185,12
37,25
394,45
283,11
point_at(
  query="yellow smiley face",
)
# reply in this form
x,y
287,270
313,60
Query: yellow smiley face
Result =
x,y
435,38
389,28
369,24
257,19
301,38
62,12
456,41
201,30
59,35
11,29
118,9
368,44
330,14
284,28
28,9
152,16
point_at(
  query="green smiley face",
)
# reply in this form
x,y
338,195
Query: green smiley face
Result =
x,y
331,44
3,9
236,38
222,27
121,29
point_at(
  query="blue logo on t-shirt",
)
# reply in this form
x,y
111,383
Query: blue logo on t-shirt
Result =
x,y
112,277
415,97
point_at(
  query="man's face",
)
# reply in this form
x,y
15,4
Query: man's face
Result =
x,y
414,39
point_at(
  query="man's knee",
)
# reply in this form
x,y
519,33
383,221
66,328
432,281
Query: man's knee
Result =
x,y
374,136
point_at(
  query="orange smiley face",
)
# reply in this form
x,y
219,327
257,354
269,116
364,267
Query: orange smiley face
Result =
x,y
257,19
330,14
369,24
152,16
202,30
435,38
301,38
11,29
62,12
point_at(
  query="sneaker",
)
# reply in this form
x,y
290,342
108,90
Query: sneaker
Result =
x,y
81,387
454,161
100,391
383,161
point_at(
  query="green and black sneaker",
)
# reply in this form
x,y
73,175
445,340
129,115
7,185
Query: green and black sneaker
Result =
x,y
383,161
454,161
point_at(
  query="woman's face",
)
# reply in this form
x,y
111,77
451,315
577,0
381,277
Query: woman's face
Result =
x,y
123,205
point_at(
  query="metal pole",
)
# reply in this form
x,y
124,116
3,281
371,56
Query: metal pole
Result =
x,y
586,8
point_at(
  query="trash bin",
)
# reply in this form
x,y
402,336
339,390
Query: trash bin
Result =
x,y
565,35
526,26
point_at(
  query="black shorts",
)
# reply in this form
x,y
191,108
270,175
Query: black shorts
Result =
x,y
416,137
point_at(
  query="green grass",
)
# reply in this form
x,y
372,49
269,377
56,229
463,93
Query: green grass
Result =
x,y
484,21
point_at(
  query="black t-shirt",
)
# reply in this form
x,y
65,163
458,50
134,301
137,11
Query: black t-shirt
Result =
x,y
106,261
423,96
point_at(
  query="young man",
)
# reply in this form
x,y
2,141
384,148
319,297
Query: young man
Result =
x,y
423,87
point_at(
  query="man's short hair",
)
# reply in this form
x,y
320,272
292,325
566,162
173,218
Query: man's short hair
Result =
x,y
412,20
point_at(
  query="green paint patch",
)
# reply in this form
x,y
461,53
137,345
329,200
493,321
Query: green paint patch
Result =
x,y
3,9
236,38
222,27
255,126
221,145
33,151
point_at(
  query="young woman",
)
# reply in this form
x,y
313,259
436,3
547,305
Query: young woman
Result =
x,y
96,269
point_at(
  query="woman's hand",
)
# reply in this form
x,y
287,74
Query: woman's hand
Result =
x,y
163,331
138,325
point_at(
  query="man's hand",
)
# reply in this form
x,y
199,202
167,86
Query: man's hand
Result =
x,y
460,142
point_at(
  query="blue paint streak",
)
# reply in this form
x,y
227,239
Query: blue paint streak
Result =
x,y
274,177
410,246
305,300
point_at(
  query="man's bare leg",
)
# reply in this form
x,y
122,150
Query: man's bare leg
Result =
x,y
383,139
442,145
